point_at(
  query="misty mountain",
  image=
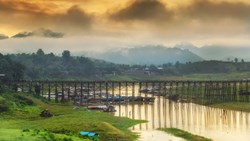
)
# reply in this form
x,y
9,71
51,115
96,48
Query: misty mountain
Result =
x,y
148,55
218,52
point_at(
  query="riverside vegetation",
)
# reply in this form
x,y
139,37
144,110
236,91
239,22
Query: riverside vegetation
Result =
x,y
20,120
183,134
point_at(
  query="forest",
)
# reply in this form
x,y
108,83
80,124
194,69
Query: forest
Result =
x,y
42,66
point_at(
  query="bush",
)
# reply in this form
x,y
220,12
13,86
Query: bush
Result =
x,y
3,105
3,108
23,100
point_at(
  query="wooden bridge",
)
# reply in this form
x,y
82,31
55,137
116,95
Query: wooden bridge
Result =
x,y
138,91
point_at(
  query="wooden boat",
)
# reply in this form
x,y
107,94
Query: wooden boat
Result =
x,y
97,107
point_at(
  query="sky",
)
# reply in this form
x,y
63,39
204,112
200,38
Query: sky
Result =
x,y
99,25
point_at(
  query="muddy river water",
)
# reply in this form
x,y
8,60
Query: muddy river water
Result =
x,y
217,124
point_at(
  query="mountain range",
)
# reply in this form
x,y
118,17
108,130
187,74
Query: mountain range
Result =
x,y
148,55
185,52
218,52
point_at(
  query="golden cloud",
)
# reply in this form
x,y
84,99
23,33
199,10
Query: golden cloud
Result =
x,y
210,11
143,10
29,16
154,18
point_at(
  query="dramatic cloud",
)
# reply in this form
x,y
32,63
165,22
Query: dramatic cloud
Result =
x,y
23,35
123,23
143,10
2,36
40,33
13,6
210,10
32,14
75,17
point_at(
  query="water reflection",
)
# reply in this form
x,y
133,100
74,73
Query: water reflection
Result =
x,y
217,124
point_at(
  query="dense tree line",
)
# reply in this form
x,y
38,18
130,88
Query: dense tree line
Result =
x,y
212,66
49,66
43,66
10,70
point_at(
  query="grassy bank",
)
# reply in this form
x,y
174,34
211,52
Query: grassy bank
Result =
x,y
20,120
239,106
183,134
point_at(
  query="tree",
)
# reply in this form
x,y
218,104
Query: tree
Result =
x,y
177,64
66,55
236,60
40,52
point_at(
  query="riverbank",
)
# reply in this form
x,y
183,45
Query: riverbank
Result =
x,y
20,120
184,134
238,106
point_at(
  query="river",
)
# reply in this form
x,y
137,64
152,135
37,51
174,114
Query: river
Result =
x,y
217,124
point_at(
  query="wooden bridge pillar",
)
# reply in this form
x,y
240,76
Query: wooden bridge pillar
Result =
x,y
133,91
113,91
22,86
107,91
49,89
42,88
188,89
247,90
159,91
119,89
30,87
234,91
182,88
68,92
56,92
165,89
62,99
176,88
170,88
81,92
126,89
94,90
140,88
88,91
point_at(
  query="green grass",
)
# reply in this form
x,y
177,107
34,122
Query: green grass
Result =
x,y
183,134
24,114
35,135
239,106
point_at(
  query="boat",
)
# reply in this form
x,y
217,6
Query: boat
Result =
x,y
97,107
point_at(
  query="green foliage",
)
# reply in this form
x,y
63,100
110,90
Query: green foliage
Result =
x,y
185,135
3,105
34,135
13,70
239,106
24,116
48,66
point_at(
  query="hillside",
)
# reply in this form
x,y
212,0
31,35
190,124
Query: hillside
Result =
x,y
148,55
218,52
